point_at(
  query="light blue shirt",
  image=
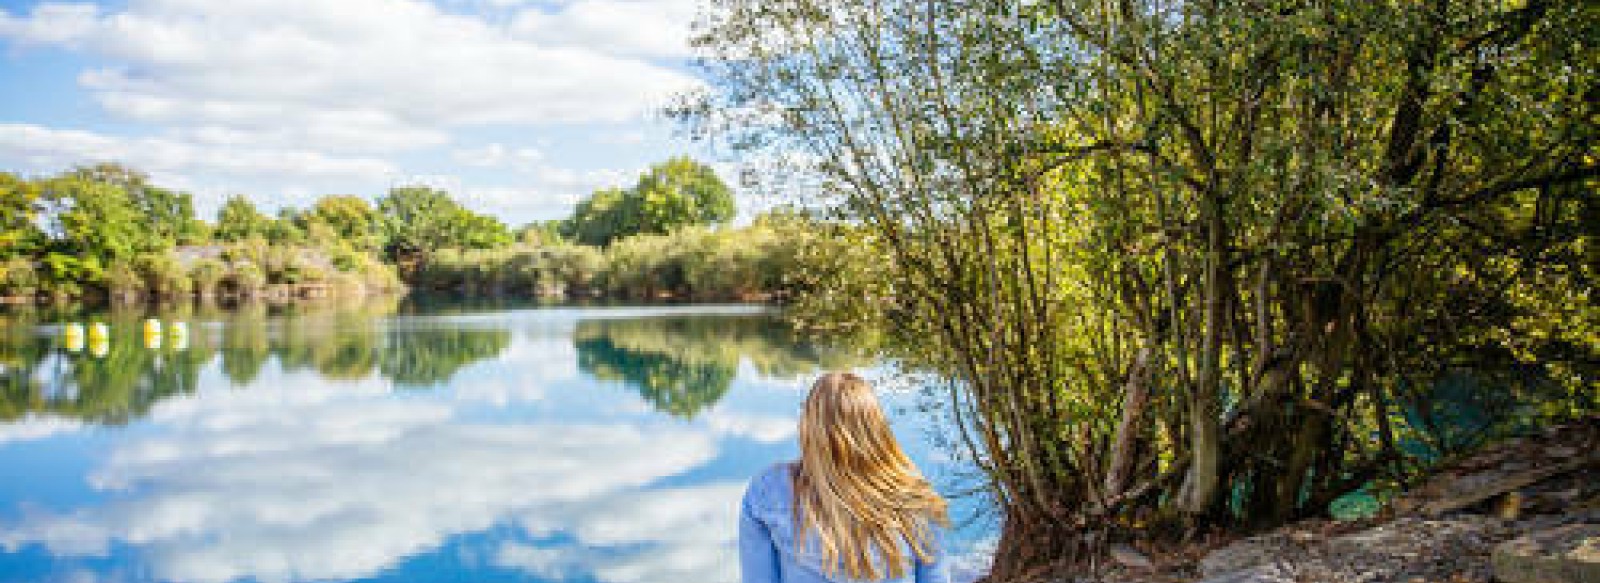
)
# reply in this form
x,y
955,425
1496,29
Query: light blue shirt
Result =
x,y
767,552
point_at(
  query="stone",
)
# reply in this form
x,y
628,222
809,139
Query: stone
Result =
x,y
1565,554
1128,556
1257,574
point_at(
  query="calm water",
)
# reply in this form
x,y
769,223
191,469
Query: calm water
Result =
x,y
377,442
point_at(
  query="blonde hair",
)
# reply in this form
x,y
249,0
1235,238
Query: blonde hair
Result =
x,y
856,489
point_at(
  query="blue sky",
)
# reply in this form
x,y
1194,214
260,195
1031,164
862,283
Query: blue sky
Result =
x,y
519,107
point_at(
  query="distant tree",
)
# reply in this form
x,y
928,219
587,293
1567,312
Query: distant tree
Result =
x,y
239,220
19,199
168,215
351,218
673,194
540,233
416,220
605,216
682,192
286,229
475,231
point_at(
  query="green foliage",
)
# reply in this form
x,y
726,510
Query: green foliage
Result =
x,y
673,194
18,277
416,220
207,275
239,220
351,218
540,233
19,199
683,366
1195,263
94,219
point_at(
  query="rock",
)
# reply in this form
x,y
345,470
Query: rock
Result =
x,y
1130,557
1480,487
1566,554
1241,555
1257,574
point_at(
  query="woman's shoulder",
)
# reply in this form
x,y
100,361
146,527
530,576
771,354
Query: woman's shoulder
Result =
x,y
771,486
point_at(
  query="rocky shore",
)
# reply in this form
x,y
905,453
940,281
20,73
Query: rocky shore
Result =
x,y
1523,511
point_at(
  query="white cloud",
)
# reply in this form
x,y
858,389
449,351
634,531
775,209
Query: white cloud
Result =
x,y
33,427
274,97
51,24
645,28
757,427
306,483
678,535
499,155
370,72
49,147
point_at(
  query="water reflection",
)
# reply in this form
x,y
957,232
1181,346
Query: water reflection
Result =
x,y
346,442
683,365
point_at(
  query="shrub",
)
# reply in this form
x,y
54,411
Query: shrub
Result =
x,y
164,276
245,279
18,277
207,276
123,280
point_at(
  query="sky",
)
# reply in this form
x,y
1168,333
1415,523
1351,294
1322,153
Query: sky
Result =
x,y
517,107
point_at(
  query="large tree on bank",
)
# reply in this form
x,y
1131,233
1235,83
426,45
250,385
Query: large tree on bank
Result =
x,y
1172,250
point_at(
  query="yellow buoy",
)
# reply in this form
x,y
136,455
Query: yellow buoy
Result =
x,y
180,335
99,331
99,346
73,337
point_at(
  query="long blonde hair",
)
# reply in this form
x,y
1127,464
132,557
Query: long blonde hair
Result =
x,y
856,489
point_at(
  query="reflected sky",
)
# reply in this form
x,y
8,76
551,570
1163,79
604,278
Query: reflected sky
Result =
x,y
397,443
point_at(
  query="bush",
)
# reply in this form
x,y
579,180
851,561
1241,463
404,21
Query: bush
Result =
x,y
123,280
207,276
18,277
164,276
245,279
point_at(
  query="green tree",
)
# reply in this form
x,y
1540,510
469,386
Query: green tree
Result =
x,y
1188,262
169,215
239,220
677,193
418,220
95,219
352,218
477,231
19,200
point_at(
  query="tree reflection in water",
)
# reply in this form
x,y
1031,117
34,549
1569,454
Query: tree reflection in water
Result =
x,y
684,365
680,365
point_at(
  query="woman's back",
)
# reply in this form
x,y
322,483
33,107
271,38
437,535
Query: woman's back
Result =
x,y
857,505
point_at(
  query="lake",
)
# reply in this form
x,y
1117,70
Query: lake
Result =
x,y
390,441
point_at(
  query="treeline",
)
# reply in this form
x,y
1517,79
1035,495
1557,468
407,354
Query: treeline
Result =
x,y
756,262
106,232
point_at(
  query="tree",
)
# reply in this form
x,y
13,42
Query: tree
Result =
x,y
475,231
1171,251
239,220
417,220
19,199
95,219
540,233
352,218
677,193
169,215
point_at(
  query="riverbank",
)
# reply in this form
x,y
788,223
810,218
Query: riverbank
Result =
x,y
1526,510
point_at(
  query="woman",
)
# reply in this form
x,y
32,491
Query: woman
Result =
x,y
854,508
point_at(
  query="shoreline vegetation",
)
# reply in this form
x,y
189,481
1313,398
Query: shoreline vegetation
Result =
x,y
106,234
1192,269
